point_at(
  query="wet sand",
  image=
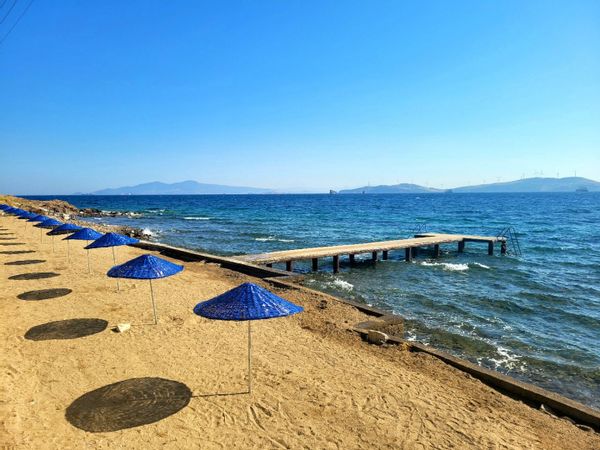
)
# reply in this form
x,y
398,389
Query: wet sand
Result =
x,y
69,383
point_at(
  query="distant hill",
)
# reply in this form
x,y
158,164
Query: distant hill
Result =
x,y
182,188
403,188
568,184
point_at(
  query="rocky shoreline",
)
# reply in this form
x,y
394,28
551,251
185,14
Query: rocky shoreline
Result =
x,y
64,211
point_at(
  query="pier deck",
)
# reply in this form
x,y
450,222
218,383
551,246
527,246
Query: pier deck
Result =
x,y
409,245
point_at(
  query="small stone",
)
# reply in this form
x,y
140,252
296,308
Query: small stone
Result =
x,y
377,337
122,327
547,410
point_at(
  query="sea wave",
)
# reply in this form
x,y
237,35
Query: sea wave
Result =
x,y
455,267
272,239
447,266
196,218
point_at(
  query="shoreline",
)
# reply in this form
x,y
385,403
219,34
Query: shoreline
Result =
x,y
283,280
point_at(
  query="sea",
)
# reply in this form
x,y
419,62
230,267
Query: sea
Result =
x,y
534,315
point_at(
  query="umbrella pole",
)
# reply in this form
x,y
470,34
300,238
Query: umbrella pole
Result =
x,y
88,256
153,304
68,252
52,243
41,232
115,262
249,357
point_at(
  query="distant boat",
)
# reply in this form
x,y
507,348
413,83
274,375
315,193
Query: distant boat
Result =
x,y
582,189
332,192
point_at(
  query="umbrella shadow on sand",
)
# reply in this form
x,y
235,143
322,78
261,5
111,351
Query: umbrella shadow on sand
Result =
x,y
12,243
8,238
25,262
16,252
66,329
44,294
127,404
34,276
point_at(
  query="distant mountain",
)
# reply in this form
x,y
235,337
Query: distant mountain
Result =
x,y
568,184
182,188
403,188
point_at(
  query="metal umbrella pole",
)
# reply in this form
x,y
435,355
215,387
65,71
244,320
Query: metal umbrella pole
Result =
x,y
41,233
68,252
249,357
115,263
88,257
153,303
52,243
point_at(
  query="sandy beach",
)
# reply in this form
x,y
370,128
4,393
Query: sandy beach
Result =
x,y
316,383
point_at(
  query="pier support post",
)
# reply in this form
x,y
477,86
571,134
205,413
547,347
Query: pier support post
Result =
x,y
490,248
408,254
461,246
270,266
336,264
374,257
436,251
315,264
352,259
503,248
385,255
289,266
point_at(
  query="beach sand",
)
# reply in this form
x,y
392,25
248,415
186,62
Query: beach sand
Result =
x,y
316,384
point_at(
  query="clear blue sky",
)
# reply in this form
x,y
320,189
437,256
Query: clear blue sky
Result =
x,y
297,94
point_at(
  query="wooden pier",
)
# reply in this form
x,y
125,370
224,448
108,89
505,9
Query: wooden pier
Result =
x,y
410,247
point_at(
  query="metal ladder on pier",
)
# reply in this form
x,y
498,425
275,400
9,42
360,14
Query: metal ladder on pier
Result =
x,y
510,234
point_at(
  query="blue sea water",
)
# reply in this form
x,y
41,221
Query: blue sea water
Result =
x,y
535,317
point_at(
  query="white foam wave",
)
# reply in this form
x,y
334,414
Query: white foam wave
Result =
x,y
447,266
147,232
483,266
342,284
196,218
272,239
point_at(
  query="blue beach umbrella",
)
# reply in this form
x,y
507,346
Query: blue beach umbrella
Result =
x,y
112,240
65,228
146,267
38,218
48,223
85,234
247,302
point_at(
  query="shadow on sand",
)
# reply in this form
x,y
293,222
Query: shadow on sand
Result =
x,y
7,238
24,262
66,329
16,252
44,294
127,404
34,276
12,243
